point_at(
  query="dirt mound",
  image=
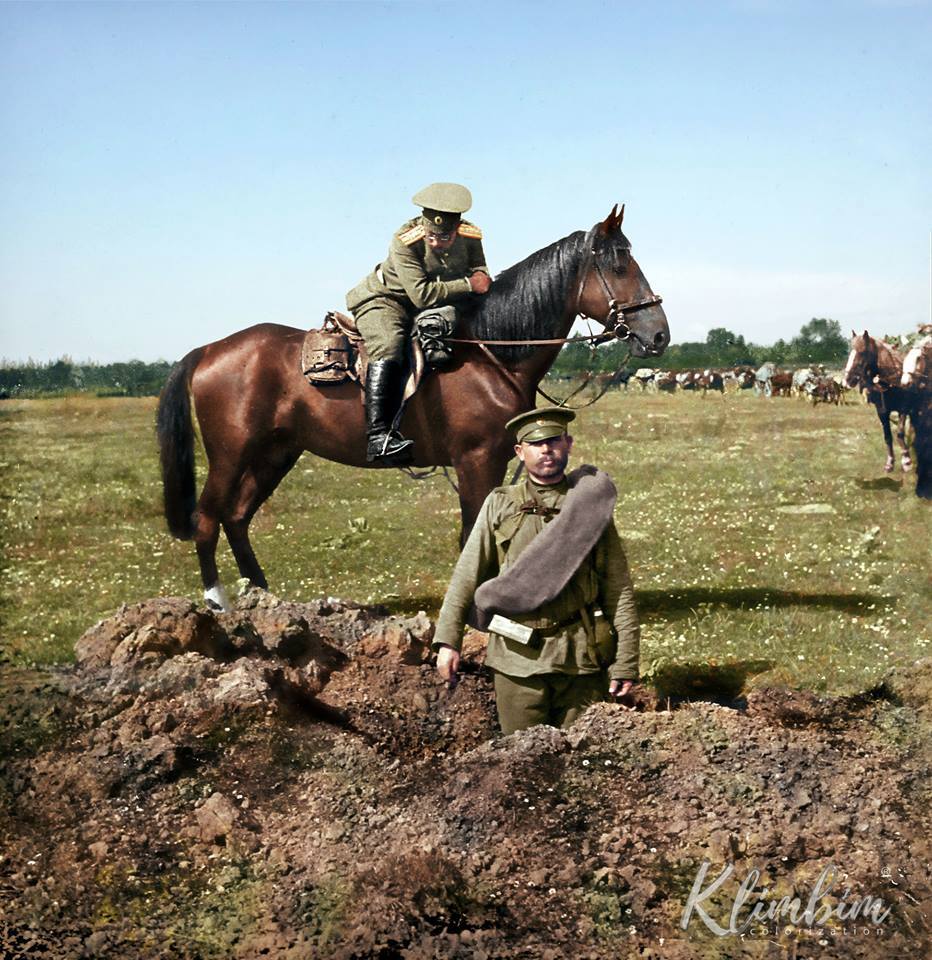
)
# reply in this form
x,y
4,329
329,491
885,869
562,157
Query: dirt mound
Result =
x,y
293,780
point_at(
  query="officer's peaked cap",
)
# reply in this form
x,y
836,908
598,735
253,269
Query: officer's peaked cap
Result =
x,y
442,204
444,198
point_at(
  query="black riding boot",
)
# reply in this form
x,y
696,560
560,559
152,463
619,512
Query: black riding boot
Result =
x,y
383,398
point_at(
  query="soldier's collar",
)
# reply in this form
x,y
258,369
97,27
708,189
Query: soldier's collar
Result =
x,y
535,487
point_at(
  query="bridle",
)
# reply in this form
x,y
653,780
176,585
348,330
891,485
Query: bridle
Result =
x,y
614,322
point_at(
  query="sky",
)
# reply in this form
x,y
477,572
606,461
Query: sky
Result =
x,y
173,172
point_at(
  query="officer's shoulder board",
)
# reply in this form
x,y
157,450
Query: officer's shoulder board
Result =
x,y
467,229
413,234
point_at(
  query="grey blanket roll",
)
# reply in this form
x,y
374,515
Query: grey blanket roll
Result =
x,y
545,568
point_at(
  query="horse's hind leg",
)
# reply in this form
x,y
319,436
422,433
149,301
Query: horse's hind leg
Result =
x,y
256,486
209,510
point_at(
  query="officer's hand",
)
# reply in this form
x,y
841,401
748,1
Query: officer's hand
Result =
x,y
619,689
448,662
480,282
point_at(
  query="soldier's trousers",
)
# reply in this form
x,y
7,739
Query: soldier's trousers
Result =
x,y
556,699
385,325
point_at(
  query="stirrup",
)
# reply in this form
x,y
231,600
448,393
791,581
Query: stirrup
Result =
x,y
391,448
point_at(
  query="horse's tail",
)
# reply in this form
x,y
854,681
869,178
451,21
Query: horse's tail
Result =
x,y
176,448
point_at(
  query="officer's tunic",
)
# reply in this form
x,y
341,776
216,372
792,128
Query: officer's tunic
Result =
x,y
412,278
499,536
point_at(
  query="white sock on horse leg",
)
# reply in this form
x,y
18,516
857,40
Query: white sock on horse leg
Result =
x,y
216,598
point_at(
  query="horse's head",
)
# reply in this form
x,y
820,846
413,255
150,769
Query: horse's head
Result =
x,y
611,289
861,367
917,367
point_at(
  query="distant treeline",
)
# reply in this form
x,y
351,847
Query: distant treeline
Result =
x,y
819,341
130,379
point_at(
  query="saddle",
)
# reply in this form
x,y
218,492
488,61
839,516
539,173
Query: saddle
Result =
x,y
336,352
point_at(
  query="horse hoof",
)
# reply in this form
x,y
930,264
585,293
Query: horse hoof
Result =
x,y
888,468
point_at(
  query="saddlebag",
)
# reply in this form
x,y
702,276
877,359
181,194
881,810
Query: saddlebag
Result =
x,y
327,355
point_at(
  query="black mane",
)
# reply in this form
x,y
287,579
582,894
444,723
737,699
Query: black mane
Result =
x,y
526,301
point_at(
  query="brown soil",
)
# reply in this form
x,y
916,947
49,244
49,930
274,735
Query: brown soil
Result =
x,y
294,781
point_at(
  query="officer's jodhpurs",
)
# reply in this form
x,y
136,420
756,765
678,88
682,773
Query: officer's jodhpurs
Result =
x,y
385,325
557,699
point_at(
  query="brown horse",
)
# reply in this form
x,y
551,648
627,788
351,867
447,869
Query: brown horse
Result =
x,y
873,365
257,413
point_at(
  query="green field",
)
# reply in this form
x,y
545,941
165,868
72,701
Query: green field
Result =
x,y
734,582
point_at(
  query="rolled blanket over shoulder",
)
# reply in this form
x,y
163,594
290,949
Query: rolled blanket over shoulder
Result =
x,y
544,569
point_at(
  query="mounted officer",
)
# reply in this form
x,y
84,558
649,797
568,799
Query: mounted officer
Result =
x,y
433,260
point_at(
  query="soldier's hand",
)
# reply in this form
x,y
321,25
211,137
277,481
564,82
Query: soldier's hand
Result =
x,y
480,282
619,689
448,663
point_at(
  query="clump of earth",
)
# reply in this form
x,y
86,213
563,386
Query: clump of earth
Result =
x,y
295,781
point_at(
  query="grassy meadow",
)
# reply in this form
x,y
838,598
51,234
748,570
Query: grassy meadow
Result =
x,y
767,544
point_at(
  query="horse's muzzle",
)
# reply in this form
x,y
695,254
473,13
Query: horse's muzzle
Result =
x,y
649,332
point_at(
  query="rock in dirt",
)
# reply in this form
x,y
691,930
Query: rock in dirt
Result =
x,y
215,818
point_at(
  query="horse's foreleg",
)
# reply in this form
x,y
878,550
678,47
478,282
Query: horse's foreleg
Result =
x,y
905,459
257,485
887,439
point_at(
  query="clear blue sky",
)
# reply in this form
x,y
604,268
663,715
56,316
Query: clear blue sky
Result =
x,y
172,172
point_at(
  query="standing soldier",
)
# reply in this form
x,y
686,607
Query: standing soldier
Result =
x,y
545,574
433,260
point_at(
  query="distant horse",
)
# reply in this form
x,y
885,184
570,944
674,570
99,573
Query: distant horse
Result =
x,y
781,383
710,380
257,413
645,377
917,367
876,367
741,377
917,377
823,390
762,378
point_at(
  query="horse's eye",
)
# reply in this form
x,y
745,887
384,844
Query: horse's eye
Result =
x,y
622,257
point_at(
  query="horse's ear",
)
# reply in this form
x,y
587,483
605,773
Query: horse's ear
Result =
x,y
853,334
621,215
609,225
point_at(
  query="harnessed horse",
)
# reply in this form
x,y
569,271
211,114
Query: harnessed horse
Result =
x,y
876,367
257,413
917,377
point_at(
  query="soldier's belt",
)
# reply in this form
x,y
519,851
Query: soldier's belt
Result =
x,y
522,633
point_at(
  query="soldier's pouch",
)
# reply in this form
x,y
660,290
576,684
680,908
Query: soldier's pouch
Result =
x,y
432,327
327,355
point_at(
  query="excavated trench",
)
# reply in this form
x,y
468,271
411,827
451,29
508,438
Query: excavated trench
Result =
x,y
295,781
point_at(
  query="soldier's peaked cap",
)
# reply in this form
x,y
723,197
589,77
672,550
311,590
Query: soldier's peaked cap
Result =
x,y
540,424
444,198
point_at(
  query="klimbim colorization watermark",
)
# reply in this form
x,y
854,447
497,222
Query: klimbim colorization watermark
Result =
x,y
819,909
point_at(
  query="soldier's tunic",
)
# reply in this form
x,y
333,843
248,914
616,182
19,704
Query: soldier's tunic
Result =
x,y
565,646
412,278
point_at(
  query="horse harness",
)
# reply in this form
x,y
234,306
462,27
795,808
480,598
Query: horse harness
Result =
x,y
614,322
